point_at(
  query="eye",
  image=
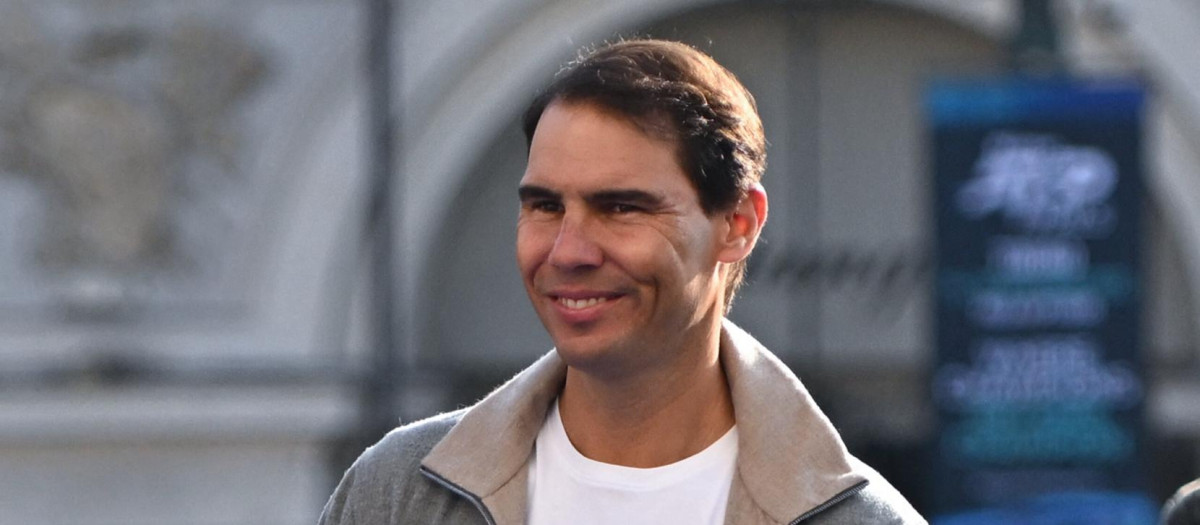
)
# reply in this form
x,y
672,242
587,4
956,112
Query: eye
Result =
x,y
622,208
544,206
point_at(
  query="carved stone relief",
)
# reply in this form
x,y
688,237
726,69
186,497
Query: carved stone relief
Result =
x,y
129,128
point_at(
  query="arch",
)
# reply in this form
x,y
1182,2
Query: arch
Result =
x,y
512,61
438,154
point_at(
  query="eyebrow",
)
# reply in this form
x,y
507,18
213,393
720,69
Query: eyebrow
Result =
x,y
638,197
529,192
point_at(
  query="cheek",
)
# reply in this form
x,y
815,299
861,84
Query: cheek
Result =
x,y
691,241
531,248
651,257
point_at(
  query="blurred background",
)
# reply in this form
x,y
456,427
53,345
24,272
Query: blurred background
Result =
x,y
241,239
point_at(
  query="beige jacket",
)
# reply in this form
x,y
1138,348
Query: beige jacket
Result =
x,y
792,466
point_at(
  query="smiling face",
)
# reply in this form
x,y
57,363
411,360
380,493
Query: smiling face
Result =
x,y
621,263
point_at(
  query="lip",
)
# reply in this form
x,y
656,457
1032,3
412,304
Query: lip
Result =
x,y
602,301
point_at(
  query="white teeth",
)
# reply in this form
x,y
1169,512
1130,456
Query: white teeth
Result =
x,y
576,304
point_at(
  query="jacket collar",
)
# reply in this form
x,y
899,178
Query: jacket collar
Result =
x,y
790,458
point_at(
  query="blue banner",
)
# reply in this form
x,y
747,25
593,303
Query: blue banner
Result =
x,y
1038,380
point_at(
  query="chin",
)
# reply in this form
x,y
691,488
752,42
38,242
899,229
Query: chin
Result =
x,y
587,355
573,351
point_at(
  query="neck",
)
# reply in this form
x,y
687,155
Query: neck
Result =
x,y
653,417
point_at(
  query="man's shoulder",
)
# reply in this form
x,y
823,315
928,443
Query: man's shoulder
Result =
x,y
406,446
877,502
385,481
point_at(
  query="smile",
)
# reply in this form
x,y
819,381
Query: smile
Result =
x,y
579,304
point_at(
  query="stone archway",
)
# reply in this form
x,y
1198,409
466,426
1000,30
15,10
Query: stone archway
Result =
x,y
501,73
506,60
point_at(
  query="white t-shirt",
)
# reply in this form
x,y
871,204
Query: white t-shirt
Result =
x,y
567,488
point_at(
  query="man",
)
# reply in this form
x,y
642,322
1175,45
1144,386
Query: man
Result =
x,y
639,206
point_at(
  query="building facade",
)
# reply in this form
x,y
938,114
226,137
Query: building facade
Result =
x,y
185,321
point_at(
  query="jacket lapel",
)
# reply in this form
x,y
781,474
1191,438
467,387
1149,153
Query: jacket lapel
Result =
x,y
486,452
790,458
741,508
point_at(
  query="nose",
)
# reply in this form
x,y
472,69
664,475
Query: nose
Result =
x,y
575,246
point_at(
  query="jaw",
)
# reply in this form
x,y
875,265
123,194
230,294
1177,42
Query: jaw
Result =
x,y
623,354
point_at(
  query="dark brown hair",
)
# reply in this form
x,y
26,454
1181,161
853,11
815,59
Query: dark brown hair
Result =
x,y
673,90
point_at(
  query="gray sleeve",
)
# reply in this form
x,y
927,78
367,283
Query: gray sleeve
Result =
x,y
336,512
384,485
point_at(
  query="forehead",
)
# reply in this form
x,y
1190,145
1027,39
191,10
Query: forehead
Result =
x,y
581,144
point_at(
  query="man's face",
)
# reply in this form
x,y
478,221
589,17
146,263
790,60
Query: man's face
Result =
x,y
616,253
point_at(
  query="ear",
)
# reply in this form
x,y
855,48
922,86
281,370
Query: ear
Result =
x,y
742,225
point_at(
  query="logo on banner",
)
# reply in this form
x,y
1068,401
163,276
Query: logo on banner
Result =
x,y
1042,185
